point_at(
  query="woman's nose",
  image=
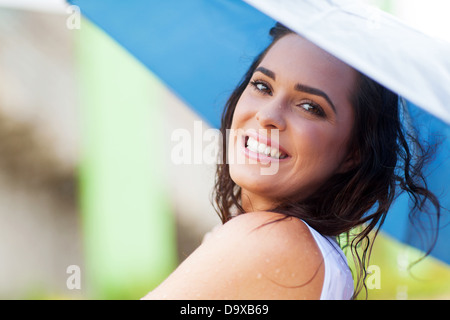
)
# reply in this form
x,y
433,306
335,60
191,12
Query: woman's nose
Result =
x,y
272,116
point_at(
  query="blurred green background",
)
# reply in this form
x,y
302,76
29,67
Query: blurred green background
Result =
x,y
86,178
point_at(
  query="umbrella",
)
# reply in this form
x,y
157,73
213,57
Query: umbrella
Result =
x,y
201,48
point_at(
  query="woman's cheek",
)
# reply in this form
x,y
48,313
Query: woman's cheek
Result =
x,y
313,144
249,102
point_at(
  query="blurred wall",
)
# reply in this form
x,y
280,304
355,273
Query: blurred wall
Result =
x,y
40,225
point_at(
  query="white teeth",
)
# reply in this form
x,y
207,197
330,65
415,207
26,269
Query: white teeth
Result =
x,y
273,153
255,146
261,148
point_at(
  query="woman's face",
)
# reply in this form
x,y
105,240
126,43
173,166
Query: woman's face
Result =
x,y
292,124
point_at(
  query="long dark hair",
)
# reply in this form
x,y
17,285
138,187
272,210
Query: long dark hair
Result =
x,y
390,161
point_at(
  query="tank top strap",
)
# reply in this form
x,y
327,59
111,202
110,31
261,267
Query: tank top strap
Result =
x,y
338,281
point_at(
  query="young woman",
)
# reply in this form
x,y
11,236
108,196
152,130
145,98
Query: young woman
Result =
x,y
321,151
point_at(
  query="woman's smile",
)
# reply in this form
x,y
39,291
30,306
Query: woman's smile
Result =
x,y
260,147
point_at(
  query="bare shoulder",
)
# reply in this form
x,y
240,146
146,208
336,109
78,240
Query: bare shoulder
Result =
x,y
258,255
286,238
269,224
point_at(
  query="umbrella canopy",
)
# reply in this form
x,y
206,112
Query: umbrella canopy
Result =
x,y
201,49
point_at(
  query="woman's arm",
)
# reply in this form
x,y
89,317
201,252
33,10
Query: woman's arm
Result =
x,y
241,261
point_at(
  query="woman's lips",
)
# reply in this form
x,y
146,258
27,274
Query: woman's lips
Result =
x,y
260,147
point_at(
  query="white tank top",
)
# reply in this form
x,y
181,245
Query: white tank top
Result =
x,y
338,280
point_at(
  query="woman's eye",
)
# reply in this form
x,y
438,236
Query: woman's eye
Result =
x,y
261,87
312,108
309,107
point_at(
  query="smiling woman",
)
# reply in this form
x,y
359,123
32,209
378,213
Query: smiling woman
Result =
x,y
338,146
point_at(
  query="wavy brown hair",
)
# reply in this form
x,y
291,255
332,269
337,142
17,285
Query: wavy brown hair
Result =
x,y
390,157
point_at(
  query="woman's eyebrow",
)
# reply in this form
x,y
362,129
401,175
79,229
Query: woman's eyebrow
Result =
x,y
267,72
316,92
300,87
